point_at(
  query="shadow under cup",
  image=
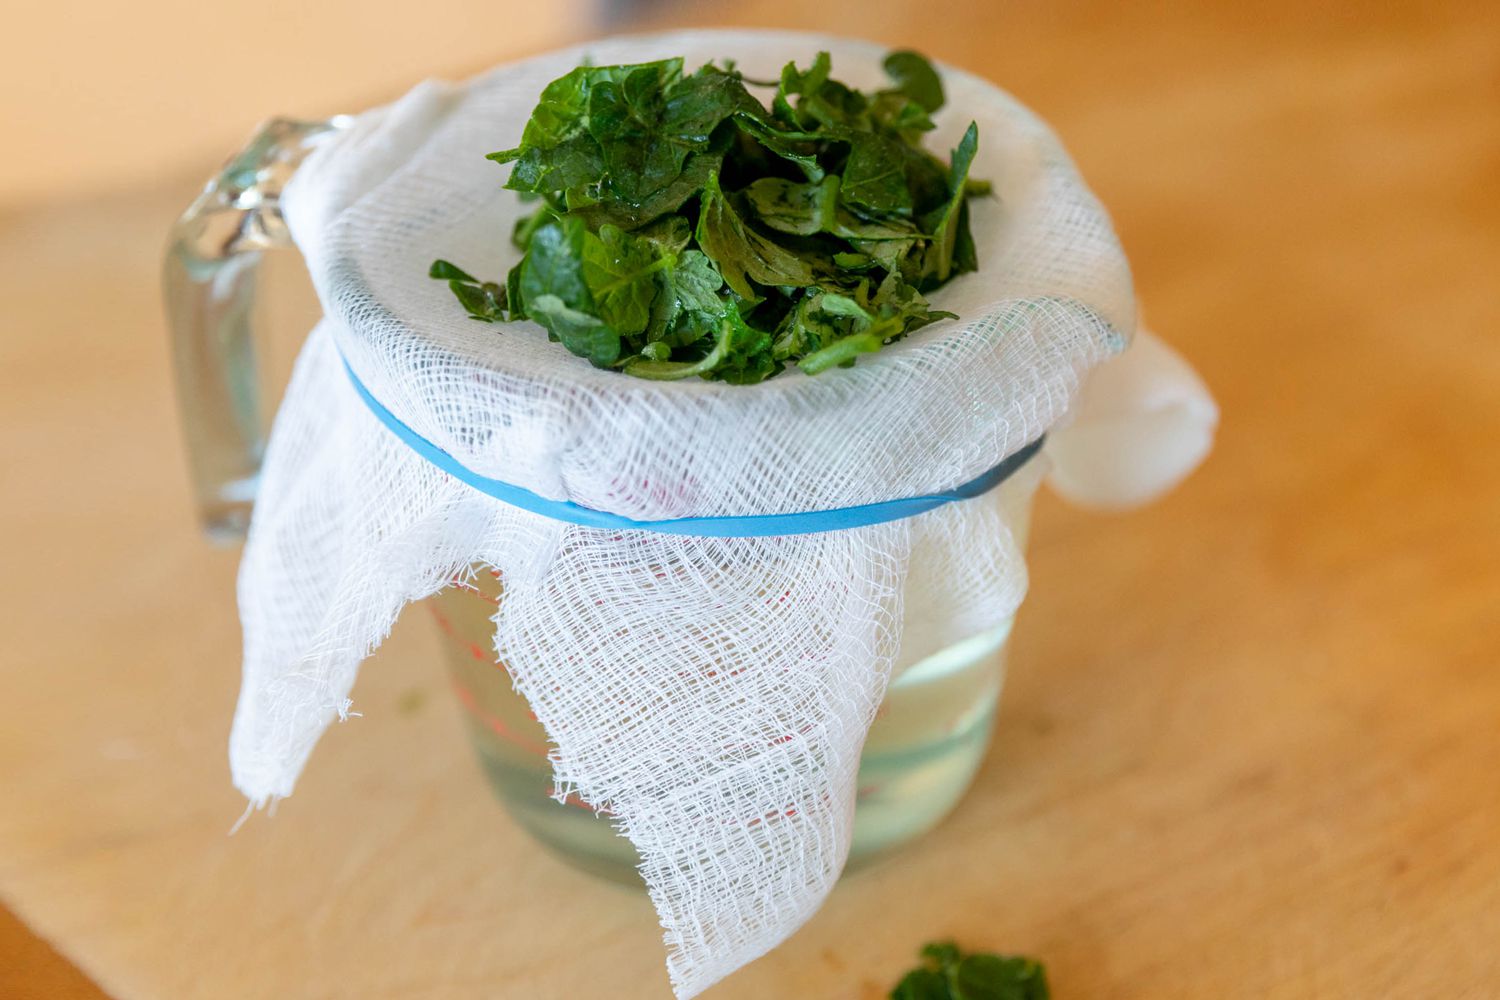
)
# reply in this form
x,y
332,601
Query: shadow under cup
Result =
x,y
924,747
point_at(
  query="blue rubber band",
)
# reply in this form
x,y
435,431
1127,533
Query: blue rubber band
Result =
x,y
740,526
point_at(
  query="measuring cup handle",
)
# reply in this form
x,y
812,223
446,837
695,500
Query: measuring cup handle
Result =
x,y
208,280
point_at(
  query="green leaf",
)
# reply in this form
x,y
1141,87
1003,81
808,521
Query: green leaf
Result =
x,y
822,102
557,150
526,226
697,105
927,177
794,147
629,215
445,271
945,223
915,78
696,284
841,352
625,119
483,302
853,261
897,113
618,270
514,297
993,977
807,209
889,254
670,235
648,121
965,257
921,984
666,371
553,265
689,307
684,229
790,207
941,953
741,254
948,974
582,333
795,82
875,176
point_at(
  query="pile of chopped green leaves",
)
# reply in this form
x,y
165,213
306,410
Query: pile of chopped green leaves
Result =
x,y
948,974
685,229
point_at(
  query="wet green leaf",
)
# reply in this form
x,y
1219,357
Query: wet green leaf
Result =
x,y
682,229
948,225
585,334
875,176
949,974
915,79
743,255
619,269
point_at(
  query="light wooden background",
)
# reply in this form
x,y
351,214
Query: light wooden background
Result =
x,y
104,96
1250,745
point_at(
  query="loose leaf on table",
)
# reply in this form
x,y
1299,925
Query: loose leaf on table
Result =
x,y
949,974
993,977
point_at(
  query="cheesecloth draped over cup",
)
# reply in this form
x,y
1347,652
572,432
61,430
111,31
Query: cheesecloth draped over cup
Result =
x,y
712,694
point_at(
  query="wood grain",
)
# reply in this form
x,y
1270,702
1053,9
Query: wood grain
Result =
x,y
1249,743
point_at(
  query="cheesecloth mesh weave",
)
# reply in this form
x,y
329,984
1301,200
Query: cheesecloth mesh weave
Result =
x,y
712,694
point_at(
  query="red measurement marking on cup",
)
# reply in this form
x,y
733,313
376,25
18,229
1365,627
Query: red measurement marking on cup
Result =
x,y
500,729
441,619
573,799
711,673
469,588
788,737
790,812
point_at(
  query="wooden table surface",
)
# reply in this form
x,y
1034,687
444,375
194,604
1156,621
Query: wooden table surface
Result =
x,y
1251,738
